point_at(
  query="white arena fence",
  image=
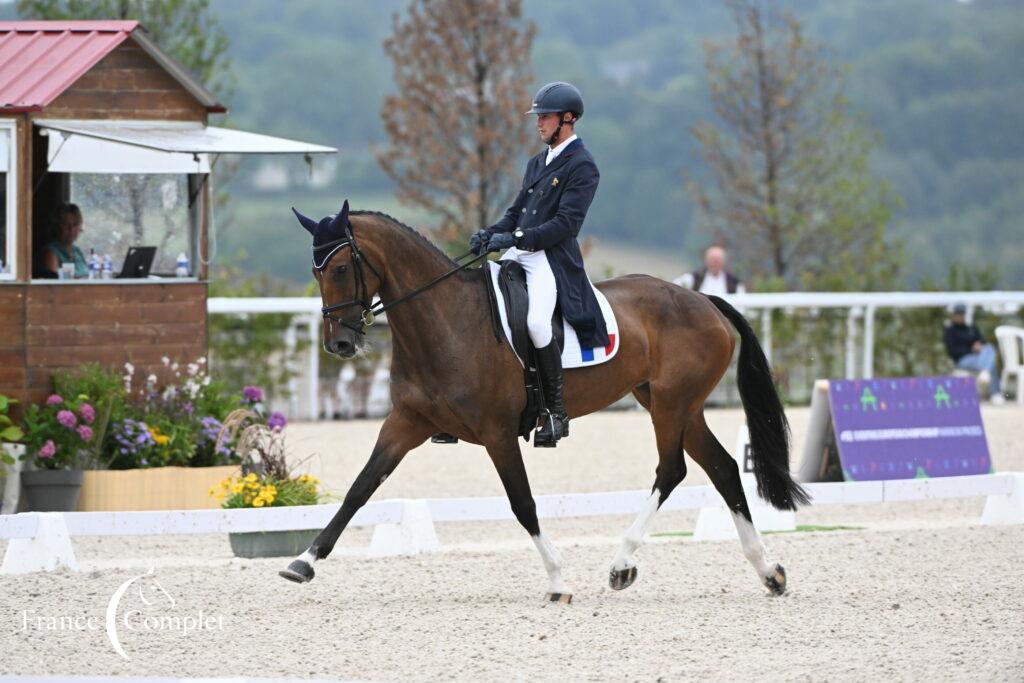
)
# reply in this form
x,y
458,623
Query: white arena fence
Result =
x,y
859,342
42,541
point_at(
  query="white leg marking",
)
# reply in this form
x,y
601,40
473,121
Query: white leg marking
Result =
x,y
753,548
308,558
553,563
635,534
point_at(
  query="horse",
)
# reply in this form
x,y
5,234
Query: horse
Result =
x,y
448,376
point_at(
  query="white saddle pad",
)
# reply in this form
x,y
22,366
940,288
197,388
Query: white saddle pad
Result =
x,y
572,355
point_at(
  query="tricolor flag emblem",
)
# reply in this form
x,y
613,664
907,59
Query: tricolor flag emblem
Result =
x,y
599,352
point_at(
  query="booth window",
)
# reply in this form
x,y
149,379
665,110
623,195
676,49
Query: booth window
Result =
x,y
8,192
120,211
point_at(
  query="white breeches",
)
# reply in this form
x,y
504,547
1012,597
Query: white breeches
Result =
x,y
540,285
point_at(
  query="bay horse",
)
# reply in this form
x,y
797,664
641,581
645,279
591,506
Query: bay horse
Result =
x,y
449,375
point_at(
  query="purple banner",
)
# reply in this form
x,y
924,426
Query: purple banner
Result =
x,y
908,428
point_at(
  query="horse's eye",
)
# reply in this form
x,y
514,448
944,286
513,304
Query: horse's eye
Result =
x,y
340,270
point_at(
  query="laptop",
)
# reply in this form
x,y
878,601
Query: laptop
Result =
x,y
137,262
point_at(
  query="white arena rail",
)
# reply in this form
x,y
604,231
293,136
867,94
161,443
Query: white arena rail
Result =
x,y
861,306
41,541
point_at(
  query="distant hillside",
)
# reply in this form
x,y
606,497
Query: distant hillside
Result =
x,y
939,79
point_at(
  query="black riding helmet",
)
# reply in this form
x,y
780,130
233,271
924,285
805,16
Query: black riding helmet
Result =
x,y
557,97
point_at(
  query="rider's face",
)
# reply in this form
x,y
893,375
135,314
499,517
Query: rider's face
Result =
x,y
546,125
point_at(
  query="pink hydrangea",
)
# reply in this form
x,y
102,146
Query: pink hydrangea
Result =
x,y
67,419
48,450
85,432
54,400
87,412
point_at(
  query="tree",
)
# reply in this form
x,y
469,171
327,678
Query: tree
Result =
x,y
793,189
455,124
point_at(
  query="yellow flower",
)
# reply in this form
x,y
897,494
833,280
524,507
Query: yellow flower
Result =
x,y
258,503
212,491
226,484
251,476
237,488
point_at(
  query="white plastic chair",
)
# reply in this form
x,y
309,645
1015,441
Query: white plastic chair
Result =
x,y
1011,348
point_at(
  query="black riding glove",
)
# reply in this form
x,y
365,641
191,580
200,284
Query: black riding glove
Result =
x,y
477,241
501,240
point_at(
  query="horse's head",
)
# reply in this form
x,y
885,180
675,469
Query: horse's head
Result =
x,y
348,281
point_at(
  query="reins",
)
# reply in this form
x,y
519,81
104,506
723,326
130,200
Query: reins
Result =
x,y
371,311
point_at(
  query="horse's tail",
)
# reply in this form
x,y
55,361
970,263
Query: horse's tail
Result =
x,y
769,429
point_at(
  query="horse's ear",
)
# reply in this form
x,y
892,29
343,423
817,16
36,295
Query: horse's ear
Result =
x,y
308,223
341,220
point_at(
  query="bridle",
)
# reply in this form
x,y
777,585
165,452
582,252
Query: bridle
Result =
x,y
369,311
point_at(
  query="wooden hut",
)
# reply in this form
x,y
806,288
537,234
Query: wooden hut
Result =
x,y
99,97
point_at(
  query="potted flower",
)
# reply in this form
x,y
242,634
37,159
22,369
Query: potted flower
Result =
x,y
59,438
10,433
10,452
161,450
266,481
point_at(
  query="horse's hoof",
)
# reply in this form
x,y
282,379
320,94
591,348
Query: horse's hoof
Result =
x,y
776,583
620,579
298,571
564,598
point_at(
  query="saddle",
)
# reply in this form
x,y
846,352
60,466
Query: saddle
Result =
x,y
512,283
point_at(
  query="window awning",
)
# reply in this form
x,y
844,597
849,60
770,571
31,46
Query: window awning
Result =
x,y
154,146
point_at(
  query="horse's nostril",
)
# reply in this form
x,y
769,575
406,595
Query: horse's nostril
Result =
x,y
340,348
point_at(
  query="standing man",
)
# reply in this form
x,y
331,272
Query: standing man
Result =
x,y
968,351
713,278
539,231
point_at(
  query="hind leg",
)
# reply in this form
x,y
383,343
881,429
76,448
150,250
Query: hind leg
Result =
x,y
724,473
671,470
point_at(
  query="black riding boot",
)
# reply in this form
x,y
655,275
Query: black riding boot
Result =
x,y
549,362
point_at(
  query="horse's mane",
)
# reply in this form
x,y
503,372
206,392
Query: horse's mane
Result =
x,y
412,231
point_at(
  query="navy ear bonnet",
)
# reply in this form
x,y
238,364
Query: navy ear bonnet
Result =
x,y
333,231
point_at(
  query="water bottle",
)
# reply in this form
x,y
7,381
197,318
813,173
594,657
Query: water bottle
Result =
x,y
94,265
181,270
108,268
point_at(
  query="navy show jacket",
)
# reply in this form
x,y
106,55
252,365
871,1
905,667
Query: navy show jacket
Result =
x,y
550,209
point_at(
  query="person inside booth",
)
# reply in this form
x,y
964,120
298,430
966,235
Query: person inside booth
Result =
x,y
66,226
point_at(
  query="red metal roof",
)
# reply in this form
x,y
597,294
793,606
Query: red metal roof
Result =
x,y
41,59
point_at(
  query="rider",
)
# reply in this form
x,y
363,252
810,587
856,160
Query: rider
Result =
x,y
539,231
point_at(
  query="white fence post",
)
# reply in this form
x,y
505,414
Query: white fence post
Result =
x,y
1006,509
314,366
869,342
412,535
48,549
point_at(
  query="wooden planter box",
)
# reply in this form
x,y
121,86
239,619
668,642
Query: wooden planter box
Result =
x,y
157,488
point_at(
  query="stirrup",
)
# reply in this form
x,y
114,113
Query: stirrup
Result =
x,y
443,437
545,436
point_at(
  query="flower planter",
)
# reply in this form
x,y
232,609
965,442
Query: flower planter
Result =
x,y
157,488
271,543
52,490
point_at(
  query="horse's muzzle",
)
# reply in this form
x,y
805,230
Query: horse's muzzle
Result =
x,y
343,348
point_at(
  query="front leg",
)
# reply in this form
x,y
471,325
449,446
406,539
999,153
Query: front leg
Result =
x,y
508,460
401,432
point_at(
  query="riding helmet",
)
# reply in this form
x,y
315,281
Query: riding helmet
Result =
x,y
557,97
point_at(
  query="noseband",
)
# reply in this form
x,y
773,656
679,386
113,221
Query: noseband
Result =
x,y
369,311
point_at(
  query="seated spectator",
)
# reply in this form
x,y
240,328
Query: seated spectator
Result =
x,y
67,226
713,278
968,350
